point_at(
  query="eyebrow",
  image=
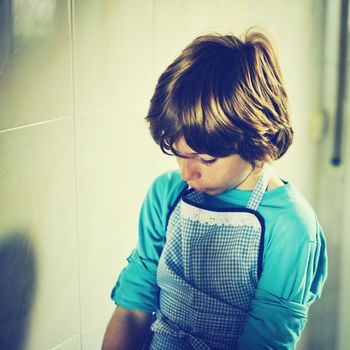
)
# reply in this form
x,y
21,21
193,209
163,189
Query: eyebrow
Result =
x,y
191,155
187,155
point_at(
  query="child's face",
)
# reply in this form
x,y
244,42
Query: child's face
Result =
x,y
208,174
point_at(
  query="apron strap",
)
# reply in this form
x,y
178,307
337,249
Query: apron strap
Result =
x,y
260,188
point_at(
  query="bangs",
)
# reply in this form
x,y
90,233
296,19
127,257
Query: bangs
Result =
x,y
207,123
224,96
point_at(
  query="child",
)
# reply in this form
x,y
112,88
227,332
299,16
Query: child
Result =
x,y
230,256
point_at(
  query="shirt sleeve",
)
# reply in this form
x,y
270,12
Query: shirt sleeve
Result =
x,y
294,272
136,287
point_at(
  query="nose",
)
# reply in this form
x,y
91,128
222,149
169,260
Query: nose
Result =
x,y
188,169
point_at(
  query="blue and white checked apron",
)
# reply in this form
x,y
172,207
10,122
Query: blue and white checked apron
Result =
x,y
208,272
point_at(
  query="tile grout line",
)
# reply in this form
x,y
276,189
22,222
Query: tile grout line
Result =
x,y
154,67
71,25
82,114
65,342
34,124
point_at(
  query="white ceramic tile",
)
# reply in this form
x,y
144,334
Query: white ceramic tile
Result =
x,y
113,46
38,231
72,343
232,16
330,87
93,336
322,337
164,162
177,23
344,285
115,162
332,24
35,72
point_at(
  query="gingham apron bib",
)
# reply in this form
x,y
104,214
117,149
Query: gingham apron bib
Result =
x,y
208,272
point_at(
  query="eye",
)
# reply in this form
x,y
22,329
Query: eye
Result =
x,y
208,162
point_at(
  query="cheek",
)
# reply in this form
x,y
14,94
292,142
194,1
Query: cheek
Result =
x,y
212,173
221,174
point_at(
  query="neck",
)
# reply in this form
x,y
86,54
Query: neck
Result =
x,y
249,181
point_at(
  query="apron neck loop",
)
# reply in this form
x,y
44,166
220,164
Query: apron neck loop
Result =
x,y
260,188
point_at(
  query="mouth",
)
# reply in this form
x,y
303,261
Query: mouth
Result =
x,y
209,191
200,189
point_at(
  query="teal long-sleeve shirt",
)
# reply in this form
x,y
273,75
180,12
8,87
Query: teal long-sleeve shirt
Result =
x,y
294,260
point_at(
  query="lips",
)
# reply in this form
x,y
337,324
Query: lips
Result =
x,y
200,189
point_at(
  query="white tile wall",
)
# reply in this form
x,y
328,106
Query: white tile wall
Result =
x,y
72,343
333,11
114,169
113,50
325,320
92,336
176,24
75,155
36,80
344,282
38,203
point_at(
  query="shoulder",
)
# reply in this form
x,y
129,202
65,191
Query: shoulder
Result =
x,y
161,196
168,183
291,218
295,258
166,188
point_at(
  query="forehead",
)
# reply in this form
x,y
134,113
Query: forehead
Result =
x,y
183,148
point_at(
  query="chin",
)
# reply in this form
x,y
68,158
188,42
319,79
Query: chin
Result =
x,y
214,192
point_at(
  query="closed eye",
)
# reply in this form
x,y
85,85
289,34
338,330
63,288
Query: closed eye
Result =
x,y
208,162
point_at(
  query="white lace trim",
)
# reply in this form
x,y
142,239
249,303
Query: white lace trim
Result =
x,y
218,218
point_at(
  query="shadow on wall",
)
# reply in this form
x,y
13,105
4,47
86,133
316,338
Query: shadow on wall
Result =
x,y
17,289
6,28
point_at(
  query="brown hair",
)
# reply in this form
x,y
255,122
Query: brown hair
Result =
x,y
225,96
